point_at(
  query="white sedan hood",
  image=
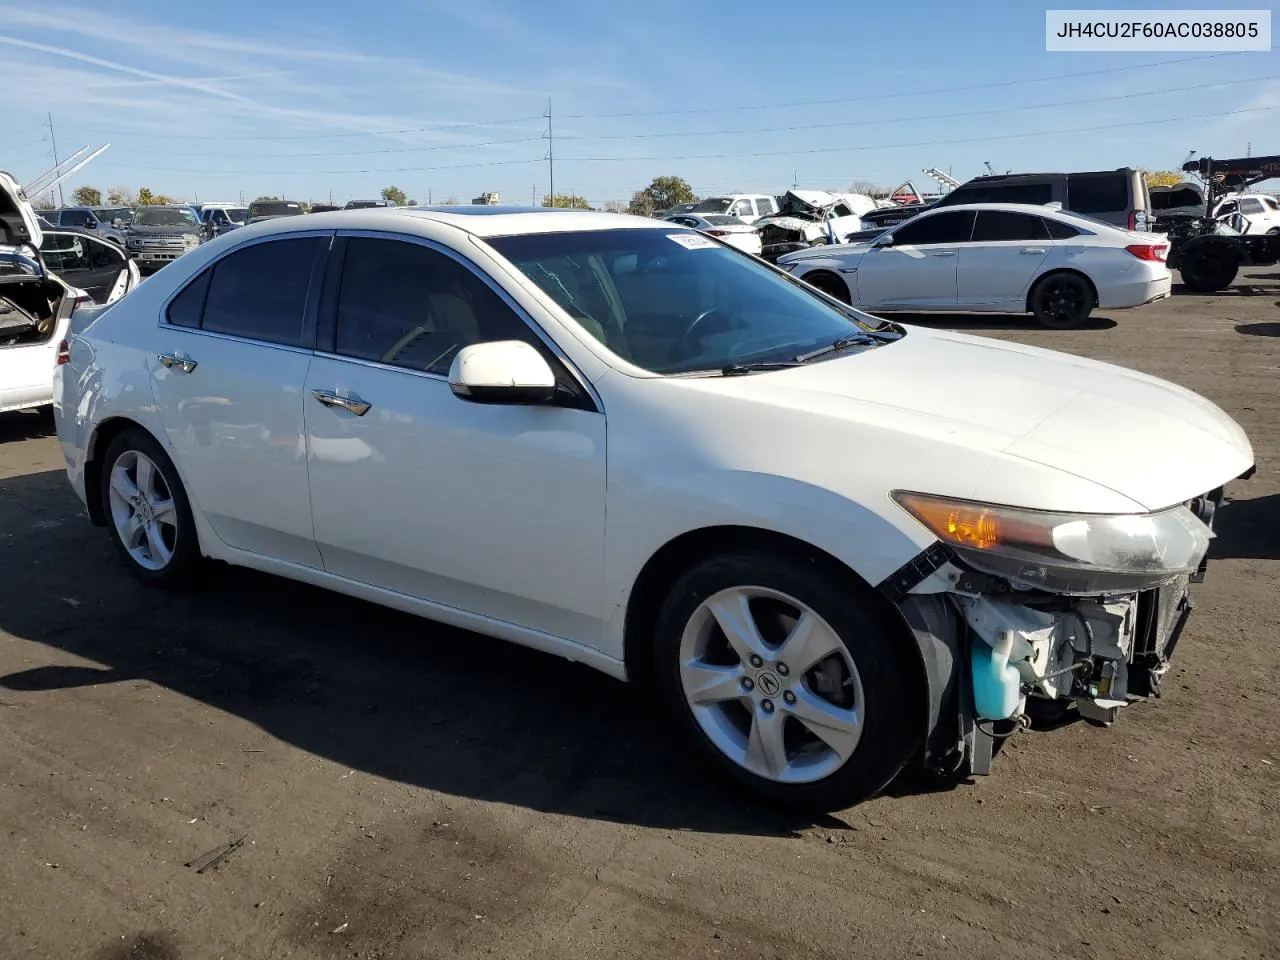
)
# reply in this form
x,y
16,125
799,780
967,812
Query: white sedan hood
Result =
x,y
1149,440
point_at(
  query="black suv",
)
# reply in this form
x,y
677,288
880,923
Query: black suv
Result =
x,y
1118,197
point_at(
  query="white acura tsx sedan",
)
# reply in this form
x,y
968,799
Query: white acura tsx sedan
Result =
x,y
829,545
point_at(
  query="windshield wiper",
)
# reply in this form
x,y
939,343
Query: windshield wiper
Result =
x,y
738,369
844,343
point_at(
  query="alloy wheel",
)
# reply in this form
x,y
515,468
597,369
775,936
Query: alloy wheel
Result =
x,y
143,510
771,684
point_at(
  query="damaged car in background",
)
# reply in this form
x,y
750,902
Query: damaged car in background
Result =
x,y
862,545
41,274
808,218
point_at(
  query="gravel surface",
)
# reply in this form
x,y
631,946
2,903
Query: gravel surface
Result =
x,y
260,769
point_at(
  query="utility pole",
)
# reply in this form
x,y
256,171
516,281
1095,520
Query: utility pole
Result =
x,y
551,156
54,141
533,195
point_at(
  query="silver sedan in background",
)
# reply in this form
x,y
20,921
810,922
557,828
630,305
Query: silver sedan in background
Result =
x,y
735,232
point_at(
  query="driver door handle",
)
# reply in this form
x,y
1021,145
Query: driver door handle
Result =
x,y
173,362
1033,250
352,404
944,253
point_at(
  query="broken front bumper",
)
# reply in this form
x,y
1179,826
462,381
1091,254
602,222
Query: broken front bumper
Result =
x,y
994,655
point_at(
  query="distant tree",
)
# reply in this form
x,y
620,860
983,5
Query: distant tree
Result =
x,y
396,195
613,206
565,200
451,202
1163,178
641,204
873,190
121,197
44,202
663,193
148,199
87,197
266,198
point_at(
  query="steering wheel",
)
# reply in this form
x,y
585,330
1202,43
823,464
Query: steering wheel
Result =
x,y
678,348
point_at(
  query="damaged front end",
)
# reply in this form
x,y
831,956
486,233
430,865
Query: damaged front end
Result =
x,y
1019,615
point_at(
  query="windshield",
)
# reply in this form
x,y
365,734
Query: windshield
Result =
x,y
236,214
793,206
115,213
165,217
713,205
720,220
675,301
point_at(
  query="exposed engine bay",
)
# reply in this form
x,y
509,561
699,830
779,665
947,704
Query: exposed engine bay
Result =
x,y
1001,658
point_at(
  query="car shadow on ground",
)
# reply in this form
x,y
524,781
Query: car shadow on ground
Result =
x,y
1259,329
26,425
1235,290
366,687
969,322
1247,529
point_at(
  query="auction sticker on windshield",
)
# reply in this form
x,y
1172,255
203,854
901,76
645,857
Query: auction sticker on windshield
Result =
x,y
692,241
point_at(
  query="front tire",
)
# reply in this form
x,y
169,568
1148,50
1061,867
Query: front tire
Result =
x,y
147,511
1062,301
786,678
831,285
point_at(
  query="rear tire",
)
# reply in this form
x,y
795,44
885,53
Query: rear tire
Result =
x,y
828,730
147,512
1062,301
1209,270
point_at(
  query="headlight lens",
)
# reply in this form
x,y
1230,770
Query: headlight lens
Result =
x,y
1066,552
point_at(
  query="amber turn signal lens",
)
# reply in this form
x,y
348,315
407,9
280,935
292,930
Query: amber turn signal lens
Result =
x,y
964,525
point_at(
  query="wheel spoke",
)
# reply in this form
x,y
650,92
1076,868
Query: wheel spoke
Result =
x,y
146,475
732,611
708,683
837,727
766,750
164,512
809,642
121,484
132,532
155,544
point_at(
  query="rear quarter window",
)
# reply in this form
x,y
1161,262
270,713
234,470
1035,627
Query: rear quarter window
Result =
x,y
1098,192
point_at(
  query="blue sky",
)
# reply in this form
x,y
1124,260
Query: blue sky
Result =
x,y
444,98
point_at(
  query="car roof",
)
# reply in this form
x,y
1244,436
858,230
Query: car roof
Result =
x,y
478,220
1038,209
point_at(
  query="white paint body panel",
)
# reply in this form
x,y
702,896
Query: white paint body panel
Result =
x,y
531,523
988,277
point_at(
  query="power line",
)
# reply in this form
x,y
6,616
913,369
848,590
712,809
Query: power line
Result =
x,y
169,135
351,153
912,119
290,173
895,96
931,143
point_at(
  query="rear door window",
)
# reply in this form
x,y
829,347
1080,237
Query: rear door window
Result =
x,y
1250,206
260,292
951,227
186,308
1059,230
996,225
1097,192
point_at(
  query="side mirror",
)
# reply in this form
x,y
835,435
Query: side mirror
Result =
x,y
502,371
117,223
884,240
91,225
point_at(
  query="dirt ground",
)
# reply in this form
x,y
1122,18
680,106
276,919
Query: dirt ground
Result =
x,y
379,793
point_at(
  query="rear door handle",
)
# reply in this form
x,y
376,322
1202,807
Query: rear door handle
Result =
x,y
944,253
1036,250
172,362
352,404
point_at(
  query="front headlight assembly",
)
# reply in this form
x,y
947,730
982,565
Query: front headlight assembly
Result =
x,y
1068,553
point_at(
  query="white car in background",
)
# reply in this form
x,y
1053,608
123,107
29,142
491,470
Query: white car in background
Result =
x,y
828,544
1250,213
993,258
729,229
39,270
747,207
